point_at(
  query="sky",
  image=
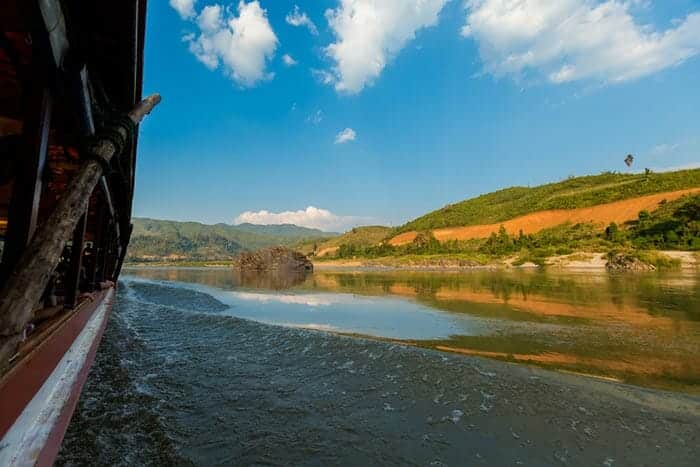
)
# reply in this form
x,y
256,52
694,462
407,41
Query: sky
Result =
x,y
336,113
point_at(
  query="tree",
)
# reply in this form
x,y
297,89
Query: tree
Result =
x,y
612,232
671,237
504,241
690,211
643,219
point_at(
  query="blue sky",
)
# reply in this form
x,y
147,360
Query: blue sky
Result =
x,y
388,109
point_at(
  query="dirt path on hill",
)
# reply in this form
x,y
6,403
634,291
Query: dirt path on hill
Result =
x,y
602,214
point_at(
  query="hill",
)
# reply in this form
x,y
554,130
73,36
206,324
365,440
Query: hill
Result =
x,y
622,214
161,240
599,215
575,192
359,236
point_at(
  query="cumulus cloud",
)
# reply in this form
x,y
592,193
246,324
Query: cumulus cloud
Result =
x,y
239,45
185,8
288,60
345,136
298,18
312,217
570,40
369,33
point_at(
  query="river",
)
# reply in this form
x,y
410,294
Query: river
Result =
x,y
204,366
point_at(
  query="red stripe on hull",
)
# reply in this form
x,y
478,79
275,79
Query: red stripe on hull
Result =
x,y
27,377
53,444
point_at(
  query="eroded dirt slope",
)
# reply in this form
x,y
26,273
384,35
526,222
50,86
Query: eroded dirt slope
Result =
x,y
603,214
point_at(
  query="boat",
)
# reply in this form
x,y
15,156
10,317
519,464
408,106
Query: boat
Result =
x,y
70,104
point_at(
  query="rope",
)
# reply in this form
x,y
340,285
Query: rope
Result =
x,y
111,132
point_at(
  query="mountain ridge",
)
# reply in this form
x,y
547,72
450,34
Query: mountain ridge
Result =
x,y
166,240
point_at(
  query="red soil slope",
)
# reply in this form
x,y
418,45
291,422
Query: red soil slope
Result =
x,y
603,214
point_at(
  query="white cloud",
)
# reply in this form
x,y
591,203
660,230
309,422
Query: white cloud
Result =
x,y
241,45
369,33
664,149
315,118
298,18
688,166
345,136
570,40
185,8
312,217
293,299
323,76
288,60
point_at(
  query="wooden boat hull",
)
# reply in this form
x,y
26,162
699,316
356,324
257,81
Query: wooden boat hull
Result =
x,y
38,396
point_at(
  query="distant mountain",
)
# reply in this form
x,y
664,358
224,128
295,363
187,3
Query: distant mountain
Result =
x,y
161,240
285,230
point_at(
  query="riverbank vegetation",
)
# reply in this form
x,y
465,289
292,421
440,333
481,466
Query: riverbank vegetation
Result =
x,y
673,226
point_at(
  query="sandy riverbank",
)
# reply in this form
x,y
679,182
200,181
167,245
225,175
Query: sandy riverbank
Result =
x,y
594,261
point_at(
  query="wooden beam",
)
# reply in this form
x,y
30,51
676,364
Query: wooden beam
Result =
x,y
23,288
26,193
75,268
104,187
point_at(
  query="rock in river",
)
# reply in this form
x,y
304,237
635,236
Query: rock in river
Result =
x,y
273,259
622,262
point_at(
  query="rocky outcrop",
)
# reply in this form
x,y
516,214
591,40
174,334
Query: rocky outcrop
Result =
x,y
273,259
622,262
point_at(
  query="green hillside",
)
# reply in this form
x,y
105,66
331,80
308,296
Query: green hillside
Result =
x,y
368,235
154,240
359,236
575,192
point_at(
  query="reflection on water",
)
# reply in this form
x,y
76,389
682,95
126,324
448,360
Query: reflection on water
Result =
x,y
383,317
275,280
640,328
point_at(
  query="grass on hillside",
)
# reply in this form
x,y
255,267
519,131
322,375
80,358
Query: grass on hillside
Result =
x,y
575,192
674,226
368,235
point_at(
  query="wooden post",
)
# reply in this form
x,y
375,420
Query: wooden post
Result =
x,y
122,255
26,191
97,245
23,288
104,250
111,256
76,264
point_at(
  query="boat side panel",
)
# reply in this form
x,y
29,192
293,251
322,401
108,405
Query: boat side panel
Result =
x,y
53,443
38,398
